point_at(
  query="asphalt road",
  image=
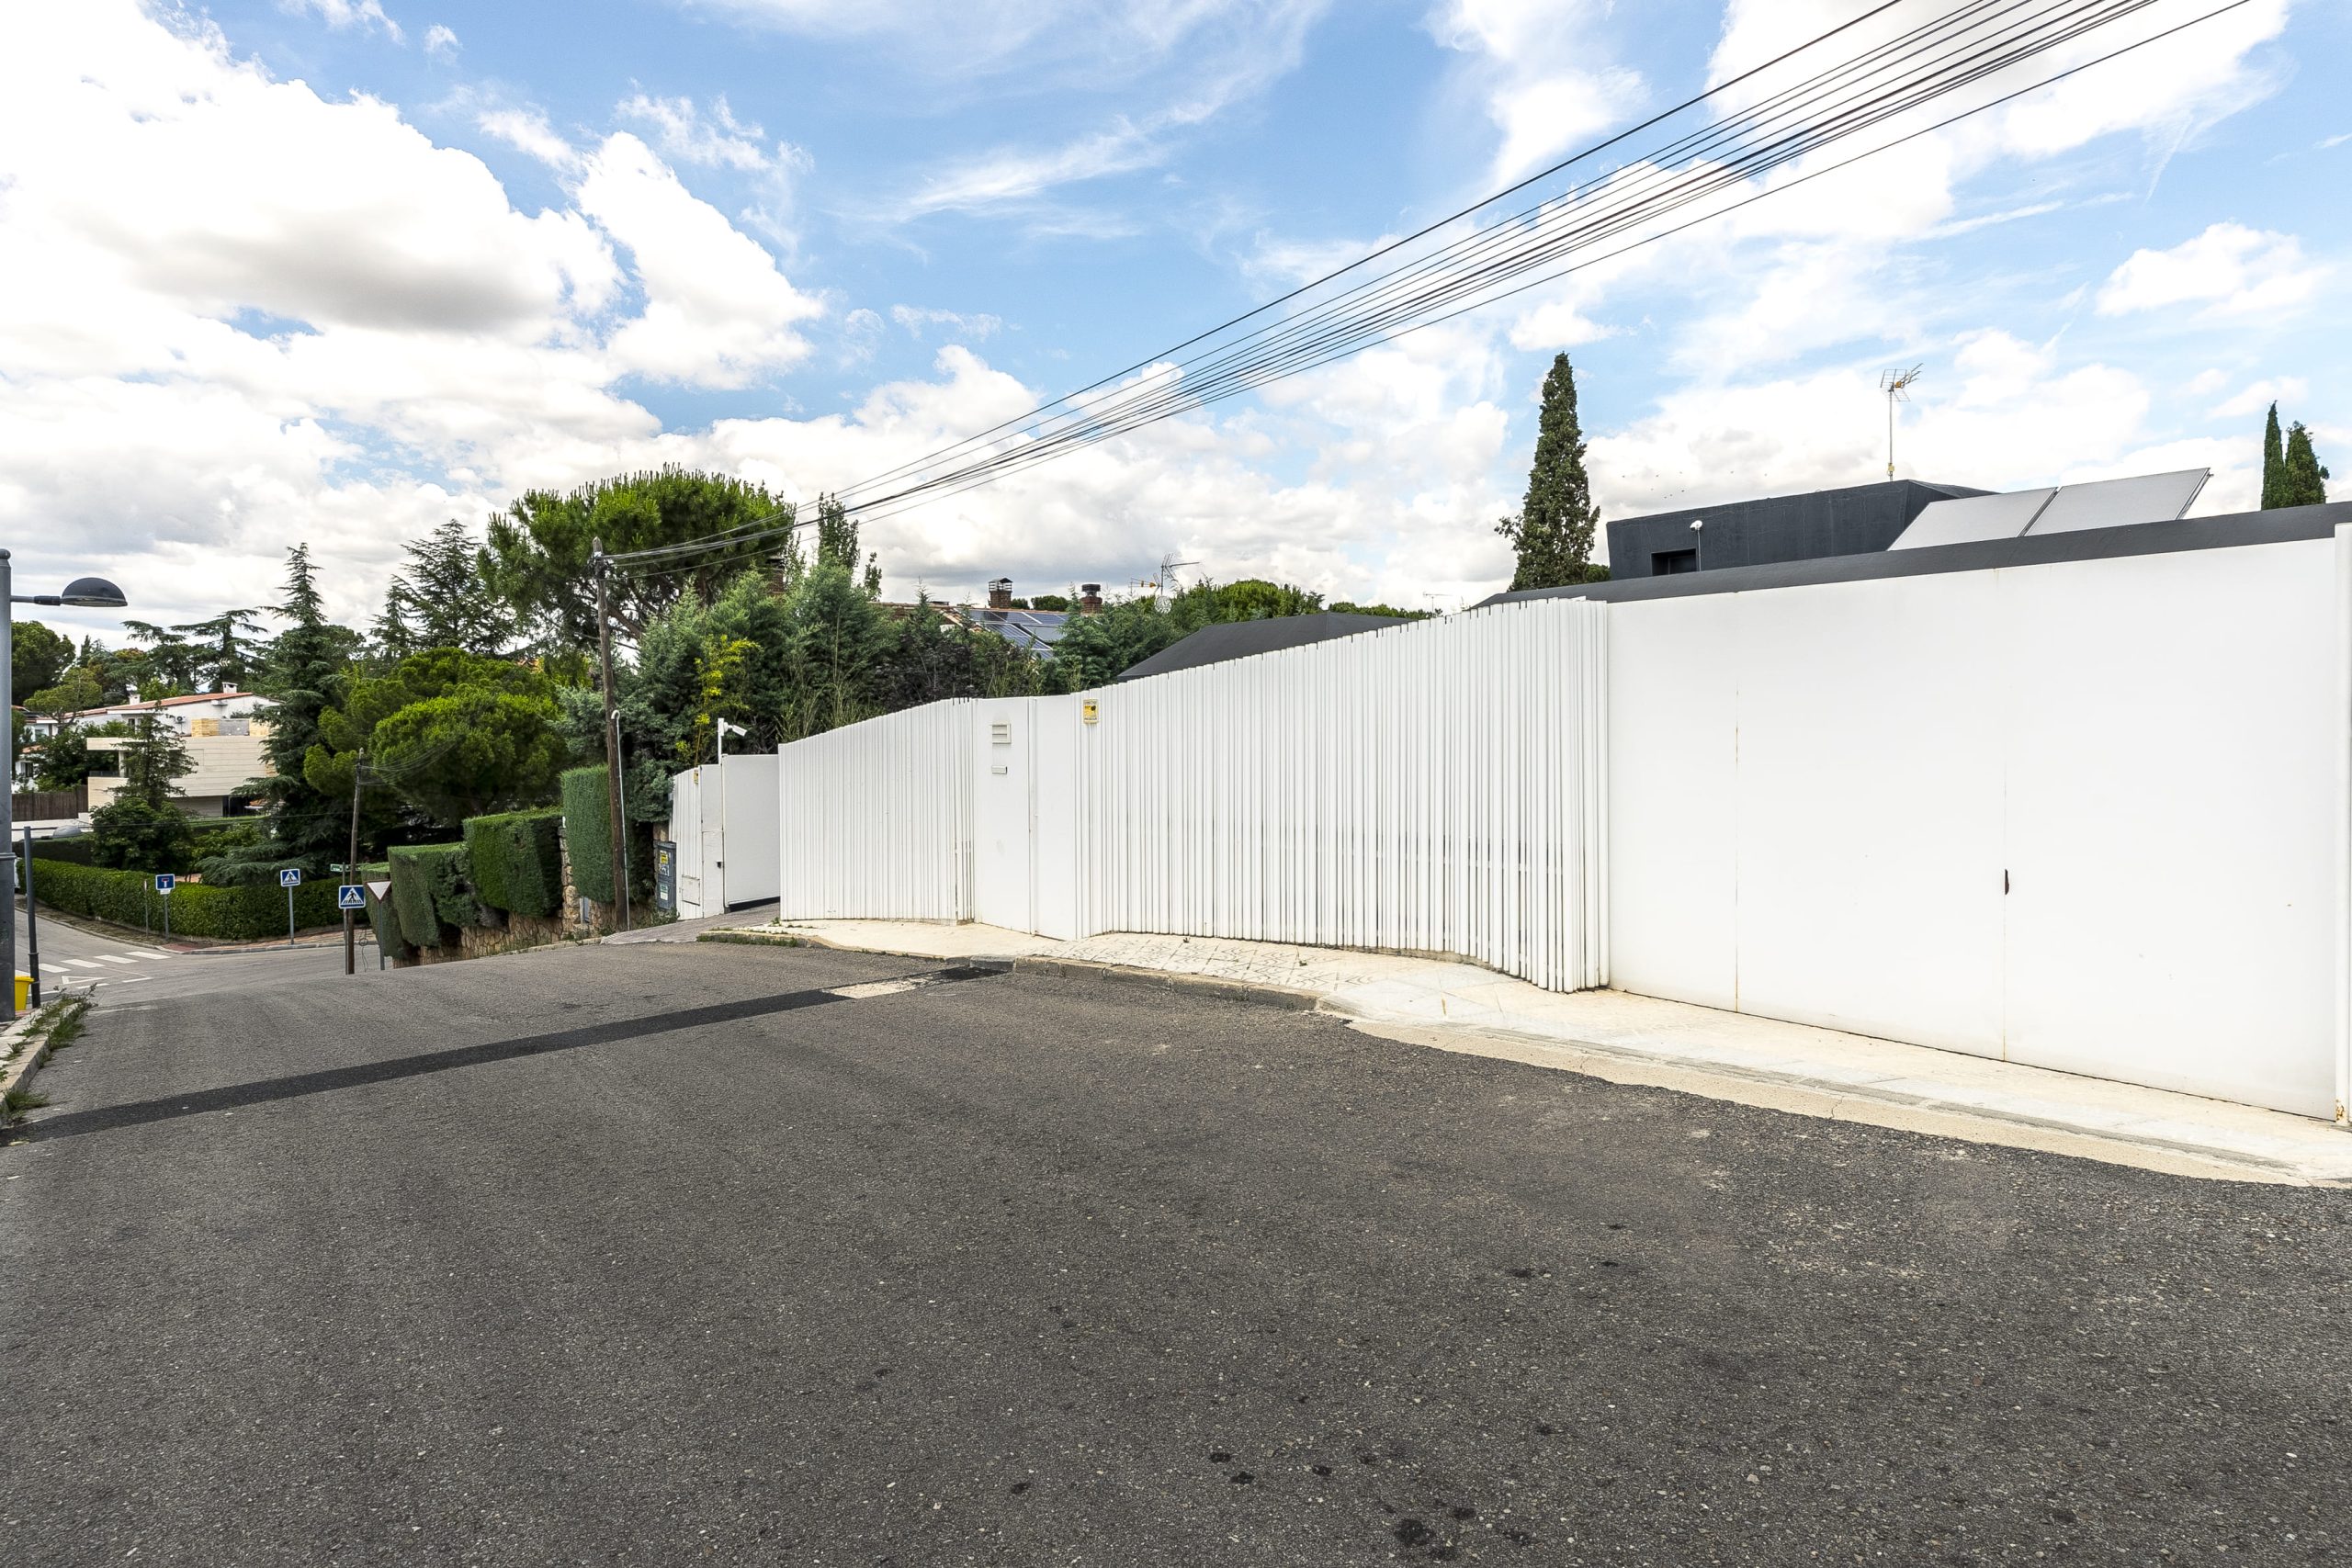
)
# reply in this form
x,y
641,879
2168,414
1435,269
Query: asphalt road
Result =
x,y
78,955
662,1254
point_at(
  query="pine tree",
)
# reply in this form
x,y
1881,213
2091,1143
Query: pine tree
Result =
x,y
2305,481
443,600
1553,532
305,674
2274,464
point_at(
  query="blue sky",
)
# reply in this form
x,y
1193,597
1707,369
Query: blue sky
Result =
x,y
333,270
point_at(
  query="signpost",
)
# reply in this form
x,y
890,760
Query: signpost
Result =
x,y
289,879
164,880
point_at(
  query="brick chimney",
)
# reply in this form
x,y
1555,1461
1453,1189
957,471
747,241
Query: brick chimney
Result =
x,y
1001,593
1089,598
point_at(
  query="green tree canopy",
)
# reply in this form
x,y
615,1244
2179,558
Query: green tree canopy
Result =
x,y
221,648
2306,479
454,734
154,759
37,658
442,598
303,673
537,559
79,692
1552,533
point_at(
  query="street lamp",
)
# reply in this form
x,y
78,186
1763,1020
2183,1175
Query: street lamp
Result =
x,y
83,592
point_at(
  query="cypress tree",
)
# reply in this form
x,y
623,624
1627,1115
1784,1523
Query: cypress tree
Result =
x,y
1553,532
2274,464
2305,482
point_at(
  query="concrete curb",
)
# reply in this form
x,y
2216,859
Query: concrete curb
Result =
x,y
20,1071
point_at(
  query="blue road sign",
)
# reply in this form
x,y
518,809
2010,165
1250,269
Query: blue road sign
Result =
x,y
164,880
350,896
290,877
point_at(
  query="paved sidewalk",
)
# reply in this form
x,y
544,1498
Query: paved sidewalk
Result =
x,y
1630,1039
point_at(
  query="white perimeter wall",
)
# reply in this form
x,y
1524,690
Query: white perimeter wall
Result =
x,y
2083,816
875,819
748,789
1433,787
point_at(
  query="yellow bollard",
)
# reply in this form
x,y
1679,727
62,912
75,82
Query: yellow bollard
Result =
x,y
24,992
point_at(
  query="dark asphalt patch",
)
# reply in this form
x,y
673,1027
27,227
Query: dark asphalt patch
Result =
x,y
295,1086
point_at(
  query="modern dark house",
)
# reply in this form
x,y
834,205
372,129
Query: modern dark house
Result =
x,y
1858,520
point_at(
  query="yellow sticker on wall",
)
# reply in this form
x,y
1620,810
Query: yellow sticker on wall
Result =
x,y
1086,712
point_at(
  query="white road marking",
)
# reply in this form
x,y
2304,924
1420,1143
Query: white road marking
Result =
x,y
110,958
78,964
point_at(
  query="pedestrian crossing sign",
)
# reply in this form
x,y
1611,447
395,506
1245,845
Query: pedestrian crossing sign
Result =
x,y
350,896
290,877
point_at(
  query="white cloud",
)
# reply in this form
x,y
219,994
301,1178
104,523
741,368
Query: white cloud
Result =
x,y
718,312
2256,398
2228,270
362,13
1534,63
441,42
686,135
1208,56
528,130
2006,415
974,326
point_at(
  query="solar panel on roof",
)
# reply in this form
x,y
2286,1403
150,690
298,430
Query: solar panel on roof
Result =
x,y
2118,503
1973,517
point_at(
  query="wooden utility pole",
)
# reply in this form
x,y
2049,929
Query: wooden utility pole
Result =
x,y
612,729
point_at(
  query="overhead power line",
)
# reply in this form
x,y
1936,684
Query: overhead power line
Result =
x,y
1603,216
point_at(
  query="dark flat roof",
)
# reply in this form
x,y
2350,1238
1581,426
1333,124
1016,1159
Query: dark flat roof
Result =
x,y
2277,526
1240,639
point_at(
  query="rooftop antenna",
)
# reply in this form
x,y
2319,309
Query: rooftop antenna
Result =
x,y
1897,385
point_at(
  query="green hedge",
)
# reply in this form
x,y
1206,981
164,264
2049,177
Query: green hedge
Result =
x,y
381,914
75,852
517,860
432,891
588,832
231,914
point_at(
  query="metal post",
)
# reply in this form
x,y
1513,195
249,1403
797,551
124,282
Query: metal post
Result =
x,y
351,869
603,567
8,802
32,919
289,915
167,915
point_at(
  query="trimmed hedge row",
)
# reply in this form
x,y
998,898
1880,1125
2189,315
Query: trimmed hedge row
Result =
x,y
432,892
230,913
381,914
517,860
588,831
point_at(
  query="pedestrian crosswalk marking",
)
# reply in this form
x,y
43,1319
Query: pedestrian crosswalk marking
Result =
x,y
110,958
81,964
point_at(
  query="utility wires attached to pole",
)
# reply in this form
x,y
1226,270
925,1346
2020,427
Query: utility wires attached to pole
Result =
x,y
603,566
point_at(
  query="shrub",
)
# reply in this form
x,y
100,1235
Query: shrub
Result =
x,y
518,860
432,891
75,850
588,832
381,913
131,835
231,914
